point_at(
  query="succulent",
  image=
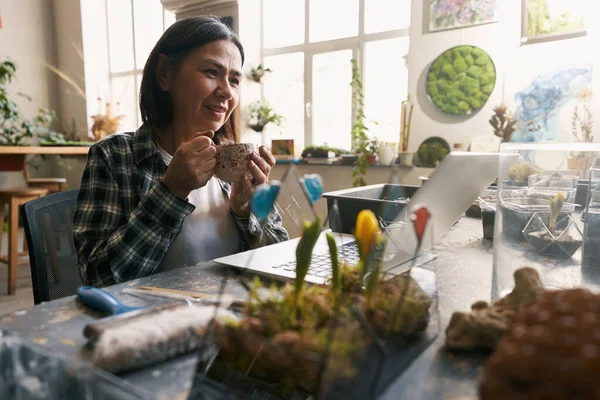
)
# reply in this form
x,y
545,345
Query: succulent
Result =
x,y
461,80
555,206
521,170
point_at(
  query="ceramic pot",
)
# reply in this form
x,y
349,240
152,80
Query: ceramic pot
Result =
x,y
405,158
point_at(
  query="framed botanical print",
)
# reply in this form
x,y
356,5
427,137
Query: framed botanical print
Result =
x,y
452,14
546,20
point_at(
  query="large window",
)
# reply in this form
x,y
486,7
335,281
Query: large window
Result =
x,y
134,26
309,44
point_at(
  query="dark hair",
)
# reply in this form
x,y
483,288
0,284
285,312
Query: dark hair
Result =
x,y
176,42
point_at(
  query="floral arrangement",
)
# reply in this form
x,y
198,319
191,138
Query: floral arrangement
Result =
x,y
105,123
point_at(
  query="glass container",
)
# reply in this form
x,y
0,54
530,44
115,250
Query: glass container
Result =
x,y
535,227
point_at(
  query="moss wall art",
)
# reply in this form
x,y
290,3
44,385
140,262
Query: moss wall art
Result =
x,y
461,80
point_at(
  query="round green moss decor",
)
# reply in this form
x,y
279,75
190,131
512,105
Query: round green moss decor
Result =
x,y
461,80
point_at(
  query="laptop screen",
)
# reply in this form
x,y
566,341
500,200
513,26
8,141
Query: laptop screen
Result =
x,y
457,182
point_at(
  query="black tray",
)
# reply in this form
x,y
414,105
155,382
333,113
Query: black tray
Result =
x,y
385,200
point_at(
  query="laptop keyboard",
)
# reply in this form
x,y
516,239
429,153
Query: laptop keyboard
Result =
x,y
321,263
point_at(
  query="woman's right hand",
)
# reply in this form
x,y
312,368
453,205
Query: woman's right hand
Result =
x,y
192,166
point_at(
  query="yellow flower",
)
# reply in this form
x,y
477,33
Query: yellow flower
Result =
x,y
367,231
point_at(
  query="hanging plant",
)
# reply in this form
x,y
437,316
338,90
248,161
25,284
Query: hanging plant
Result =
x,y
260,114
259,73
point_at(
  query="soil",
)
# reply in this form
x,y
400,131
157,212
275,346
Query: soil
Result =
x,y
543,243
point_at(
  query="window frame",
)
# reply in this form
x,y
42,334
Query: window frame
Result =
x,y
354,43
137,71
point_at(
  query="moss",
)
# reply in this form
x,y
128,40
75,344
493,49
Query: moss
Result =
x,y
487,89
432,88
474,71
460,65
461,80
448,72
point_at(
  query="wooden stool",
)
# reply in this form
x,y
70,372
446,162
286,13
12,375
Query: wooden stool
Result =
x,y
54,185
14,198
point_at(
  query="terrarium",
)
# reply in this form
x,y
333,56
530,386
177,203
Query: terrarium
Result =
x,y
537,221
591,231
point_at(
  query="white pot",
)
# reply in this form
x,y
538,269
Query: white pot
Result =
x,y
405,158
387,154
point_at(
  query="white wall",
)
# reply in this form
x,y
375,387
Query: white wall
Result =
x,y
516,66
27,38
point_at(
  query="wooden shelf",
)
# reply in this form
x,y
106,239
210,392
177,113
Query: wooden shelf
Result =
x,y
62,150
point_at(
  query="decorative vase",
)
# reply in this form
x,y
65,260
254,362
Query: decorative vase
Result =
x,y
405,158
372,159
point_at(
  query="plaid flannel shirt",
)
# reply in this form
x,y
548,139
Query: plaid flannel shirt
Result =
x,y
126,217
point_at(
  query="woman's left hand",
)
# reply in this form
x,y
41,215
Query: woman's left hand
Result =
x,y
241,192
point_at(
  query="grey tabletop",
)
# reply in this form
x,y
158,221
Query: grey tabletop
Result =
x,y
464,273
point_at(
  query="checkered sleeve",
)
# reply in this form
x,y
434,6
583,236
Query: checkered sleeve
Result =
x,y
115,245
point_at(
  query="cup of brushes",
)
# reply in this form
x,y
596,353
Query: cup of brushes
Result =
x,y
276,336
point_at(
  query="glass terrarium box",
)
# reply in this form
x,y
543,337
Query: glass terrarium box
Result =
x,y
541,222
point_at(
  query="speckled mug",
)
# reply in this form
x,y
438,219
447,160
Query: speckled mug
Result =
x,y
232,161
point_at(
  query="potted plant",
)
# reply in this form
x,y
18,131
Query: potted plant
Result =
x,y
260,114
373,151
259,73
404,157
14,129
518,174
546,238
430,154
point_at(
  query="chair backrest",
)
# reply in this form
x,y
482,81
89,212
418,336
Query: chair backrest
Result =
x,y
48,223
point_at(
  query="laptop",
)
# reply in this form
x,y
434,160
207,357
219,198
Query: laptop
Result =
x,y
457,182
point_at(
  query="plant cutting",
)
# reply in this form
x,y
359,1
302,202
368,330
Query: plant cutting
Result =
x,y
546,238
286,332
404,157
260,114
360,138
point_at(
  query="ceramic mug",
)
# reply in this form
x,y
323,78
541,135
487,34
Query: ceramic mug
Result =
x,y
233,161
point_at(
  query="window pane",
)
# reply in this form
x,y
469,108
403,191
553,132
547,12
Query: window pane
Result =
x,y
386,85
124,102
332,98
120,35
284,90
283,23
169,19
148,16
333,19
386,15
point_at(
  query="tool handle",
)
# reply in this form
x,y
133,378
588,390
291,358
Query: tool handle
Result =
x,y
101,300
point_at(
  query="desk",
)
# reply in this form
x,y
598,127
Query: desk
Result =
x,y
464,272
61,150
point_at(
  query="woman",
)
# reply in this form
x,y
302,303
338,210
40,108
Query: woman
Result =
x,y
148,200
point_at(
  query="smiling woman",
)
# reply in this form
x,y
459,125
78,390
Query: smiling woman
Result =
x,y
149,200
